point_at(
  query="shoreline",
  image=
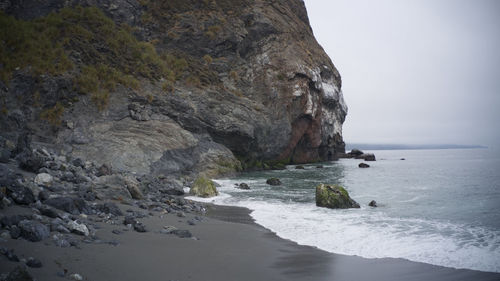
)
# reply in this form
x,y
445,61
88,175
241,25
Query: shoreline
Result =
x,y
228,245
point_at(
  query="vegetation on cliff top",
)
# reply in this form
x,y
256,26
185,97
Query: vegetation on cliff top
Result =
x,y
89,46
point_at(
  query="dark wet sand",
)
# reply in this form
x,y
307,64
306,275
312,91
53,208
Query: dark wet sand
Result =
x,y
229,247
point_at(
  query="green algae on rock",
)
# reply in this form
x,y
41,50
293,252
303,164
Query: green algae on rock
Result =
x,y
203,187
334,197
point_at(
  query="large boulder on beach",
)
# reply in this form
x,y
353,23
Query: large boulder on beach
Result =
x,y
203,187
334,197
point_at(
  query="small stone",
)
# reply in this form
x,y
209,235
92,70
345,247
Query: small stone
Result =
x,y
11,256
5,235
78,162
373,203
182,233
76,276
104,170
35,263
181,214
299,167
319,166
44,179
140,227
363,165
116,231
402,159
190,222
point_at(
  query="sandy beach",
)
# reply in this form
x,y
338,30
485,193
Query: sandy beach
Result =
x,y
226,245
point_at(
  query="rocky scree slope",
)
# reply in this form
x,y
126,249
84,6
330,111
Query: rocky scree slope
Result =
x,y
168,87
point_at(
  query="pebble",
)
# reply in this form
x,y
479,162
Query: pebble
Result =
x,y
35,263
76,276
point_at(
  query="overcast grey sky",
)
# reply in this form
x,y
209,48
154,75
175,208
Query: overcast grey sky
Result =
x,y
415,71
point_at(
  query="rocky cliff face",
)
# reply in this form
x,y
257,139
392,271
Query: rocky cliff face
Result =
x,y
212,85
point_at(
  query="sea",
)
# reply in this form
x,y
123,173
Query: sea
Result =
x,y
439,207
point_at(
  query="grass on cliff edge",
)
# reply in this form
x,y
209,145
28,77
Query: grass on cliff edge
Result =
x,y
86,44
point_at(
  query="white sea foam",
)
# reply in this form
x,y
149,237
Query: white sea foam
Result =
x,y
369,234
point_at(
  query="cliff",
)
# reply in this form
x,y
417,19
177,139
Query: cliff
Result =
x,y
168,87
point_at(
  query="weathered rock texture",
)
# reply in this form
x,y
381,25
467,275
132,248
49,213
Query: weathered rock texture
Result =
x,y
334,197
257,87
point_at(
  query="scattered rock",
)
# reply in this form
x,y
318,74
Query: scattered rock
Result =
x,y
299,167
319,166
78,228
373,203
78,162
243,186
133,187
129,220
363,165
48,211
402,159
140,227
30,161
33,230
44,179
70,205
9,254
76,276
182,233
15,232
35,263
203,187
334,197
273,181
109,208
116,231
20,194
19,273
104,170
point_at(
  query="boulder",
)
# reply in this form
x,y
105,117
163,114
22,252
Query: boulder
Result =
x,y
273,181
31,161
334,197
373,203
20,194
70,205
363,165
33,230
203,187
319,166
117,187
109,208
78,228
355,152
299,167
243,186
44,179
367,157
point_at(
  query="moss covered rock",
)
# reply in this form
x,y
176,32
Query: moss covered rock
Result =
x,y
203,187
334,197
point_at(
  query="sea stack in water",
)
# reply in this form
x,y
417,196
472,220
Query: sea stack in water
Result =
x,y
334,197
203,187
